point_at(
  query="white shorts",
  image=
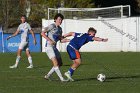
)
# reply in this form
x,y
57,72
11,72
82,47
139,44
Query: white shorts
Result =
x,y
23,45
52,52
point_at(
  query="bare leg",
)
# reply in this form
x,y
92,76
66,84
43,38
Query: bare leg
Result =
x,y
75,65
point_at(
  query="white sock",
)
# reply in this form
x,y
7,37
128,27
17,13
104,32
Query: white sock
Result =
x,y
30,60
17,60
58,73
51,71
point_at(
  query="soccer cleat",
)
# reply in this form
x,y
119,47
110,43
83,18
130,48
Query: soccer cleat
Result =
x,y
47,77
14,66
64,80
31,66
67,74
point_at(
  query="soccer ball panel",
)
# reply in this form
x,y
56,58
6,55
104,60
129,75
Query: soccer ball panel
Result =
x,y
101,77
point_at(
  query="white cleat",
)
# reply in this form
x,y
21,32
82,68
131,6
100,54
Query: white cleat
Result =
x,y
64,80
13,66
47,77
31,66
67,74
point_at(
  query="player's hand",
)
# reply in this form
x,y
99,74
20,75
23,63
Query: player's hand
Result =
x,y
8,37
105,40
52,42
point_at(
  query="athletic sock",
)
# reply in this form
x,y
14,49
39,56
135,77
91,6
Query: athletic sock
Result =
x,y
58,73
17,60
71,71
51,71
30,60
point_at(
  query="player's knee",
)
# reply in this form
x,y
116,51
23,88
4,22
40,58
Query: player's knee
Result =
x,y
78,62
60,64
59,61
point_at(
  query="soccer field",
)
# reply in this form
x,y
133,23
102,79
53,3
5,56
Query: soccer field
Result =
x,y
122,71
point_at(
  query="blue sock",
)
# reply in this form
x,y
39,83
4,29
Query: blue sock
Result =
x,y
71,71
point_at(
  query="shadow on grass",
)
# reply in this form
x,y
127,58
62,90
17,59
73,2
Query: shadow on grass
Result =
x,y
109,79
125,77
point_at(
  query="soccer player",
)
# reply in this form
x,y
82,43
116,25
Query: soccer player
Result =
x,y
54,34
24,29
75,44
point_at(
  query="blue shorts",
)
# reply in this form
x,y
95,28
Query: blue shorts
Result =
x,y
73,53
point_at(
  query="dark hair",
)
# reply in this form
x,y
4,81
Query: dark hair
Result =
x,y
91,29
58,15
24,16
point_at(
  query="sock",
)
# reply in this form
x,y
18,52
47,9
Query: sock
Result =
x,y
71,71
17,60
51,71
30,60
58,73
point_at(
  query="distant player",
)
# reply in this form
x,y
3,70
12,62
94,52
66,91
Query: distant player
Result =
x,y
24,29
75,44
52,36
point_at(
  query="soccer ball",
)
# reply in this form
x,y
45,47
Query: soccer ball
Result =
x,y
101,77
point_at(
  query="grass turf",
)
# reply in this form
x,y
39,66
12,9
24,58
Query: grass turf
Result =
x,y
122,71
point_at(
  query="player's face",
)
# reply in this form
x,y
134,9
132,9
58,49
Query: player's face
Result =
x,y
58,21
92,33
23,19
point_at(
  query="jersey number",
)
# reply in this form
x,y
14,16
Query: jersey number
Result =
x,y
80,35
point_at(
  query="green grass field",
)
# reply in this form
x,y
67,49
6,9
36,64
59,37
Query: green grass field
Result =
x,y
122,71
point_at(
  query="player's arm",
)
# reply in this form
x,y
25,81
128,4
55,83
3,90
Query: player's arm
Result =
x,y
46,37
64,40
33,35
100,39
69,34
12,35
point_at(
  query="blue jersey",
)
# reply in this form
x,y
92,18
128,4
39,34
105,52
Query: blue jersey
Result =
x,y
80,39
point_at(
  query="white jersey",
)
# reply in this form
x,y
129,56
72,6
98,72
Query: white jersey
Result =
x,y
54,33
24,28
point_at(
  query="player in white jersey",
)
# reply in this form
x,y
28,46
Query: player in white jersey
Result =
x,y
54,34
24,29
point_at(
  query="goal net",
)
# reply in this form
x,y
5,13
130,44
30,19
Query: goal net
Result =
x,y
88,13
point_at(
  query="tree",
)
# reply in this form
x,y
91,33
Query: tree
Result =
x,y
13,9
138,6
79,3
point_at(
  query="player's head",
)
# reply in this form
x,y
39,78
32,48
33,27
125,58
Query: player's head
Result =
x,y
58,18
92,31
23,18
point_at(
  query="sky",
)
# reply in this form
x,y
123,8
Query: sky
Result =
x,y
106,3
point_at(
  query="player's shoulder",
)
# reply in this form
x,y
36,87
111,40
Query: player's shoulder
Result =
x,y
52,25
20,24
27,24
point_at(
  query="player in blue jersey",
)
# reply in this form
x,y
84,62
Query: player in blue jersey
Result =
x,y
52,34
75,44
